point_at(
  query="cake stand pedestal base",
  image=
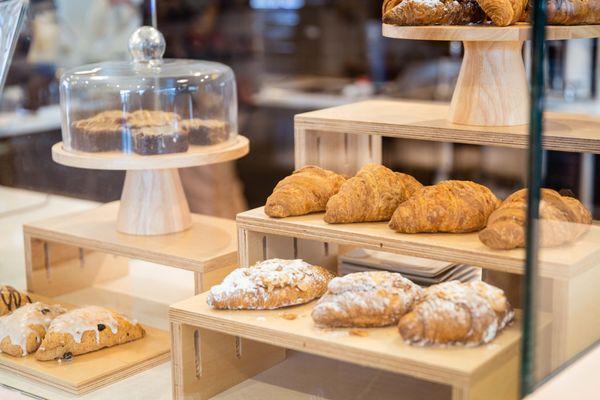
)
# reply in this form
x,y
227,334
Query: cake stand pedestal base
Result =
x,y
492,87
153,203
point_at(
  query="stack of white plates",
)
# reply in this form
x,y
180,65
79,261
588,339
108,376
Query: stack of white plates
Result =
x,y
422,271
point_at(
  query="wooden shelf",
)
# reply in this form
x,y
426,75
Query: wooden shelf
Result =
x,y
208,245
479,33
427,121
562,262
381,348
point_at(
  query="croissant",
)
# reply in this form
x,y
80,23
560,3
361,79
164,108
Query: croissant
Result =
x,y
503,12
563,220
449,206
568,12
457,313
307,190
432,12
12,299
372,195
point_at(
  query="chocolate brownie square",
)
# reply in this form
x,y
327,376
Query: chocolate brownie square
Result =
x,y
157,132
206,131
106,131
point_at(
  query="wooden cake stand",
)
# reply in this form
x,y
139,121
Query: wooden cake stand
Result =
x,y
492,85
153,201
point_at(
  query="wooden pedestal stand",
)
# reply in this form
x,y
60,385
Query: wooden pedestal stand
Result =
x,y
492,85
153,201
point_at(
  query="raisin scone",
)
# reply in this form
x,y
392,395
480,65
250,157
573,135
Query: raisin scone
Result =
x,y
457,313
11,299
270,284
366,299
22,331
84,330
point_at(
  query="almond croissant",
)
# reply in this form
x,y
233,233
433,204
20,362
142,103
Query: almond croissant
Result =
x,y
457,313
307,190
372,195
449,206
563,219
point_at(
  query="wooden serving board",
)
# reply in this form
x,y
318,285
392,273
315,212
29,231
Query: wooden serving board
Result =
x,y
560,262
380,348
87,372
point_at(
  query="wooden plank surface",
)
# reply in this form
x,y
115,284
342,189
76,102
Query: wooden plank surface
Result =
x,y
116,160
208,245
561,262
381,348
518,32
427,121
86,372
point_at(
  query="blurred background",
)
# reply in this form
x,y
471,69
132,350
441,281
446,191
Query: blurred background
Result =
x,y
289,56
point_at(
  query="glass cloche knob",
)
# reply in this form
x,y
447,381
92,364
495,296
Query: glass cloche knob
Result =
x,y
147,44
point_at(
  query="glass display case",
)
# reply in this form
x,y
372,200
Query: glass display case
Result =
x,y
148,106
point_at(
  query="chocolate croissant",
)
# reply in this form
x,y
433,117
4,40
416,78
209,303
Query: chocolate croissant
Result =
x,y
432,12
11,299
503,12
563,220
449,206
306,191
372,195
457,313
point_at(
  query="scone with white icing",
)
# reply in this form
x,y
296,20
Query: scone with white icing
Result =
x,y
270,284
84,330
22,331
366,299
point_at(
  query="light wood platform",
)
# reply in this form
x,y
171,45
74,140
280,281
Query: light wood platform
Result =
x,y
481,33
81,249
116,160
490,369
562,262
427,121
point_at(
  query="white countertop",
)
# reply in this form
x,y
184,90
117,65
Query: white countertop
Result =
x,y
27,122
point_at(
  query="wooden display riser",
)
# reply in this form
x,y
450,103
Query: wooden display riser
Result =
x,y
80,250
215,350
568,273
345,138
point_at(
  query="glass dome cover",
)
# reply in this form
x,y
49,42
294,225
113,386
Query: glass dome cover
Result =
x,y
148,106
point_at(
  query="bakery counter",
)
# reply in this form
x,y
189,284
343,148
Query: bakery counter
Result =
x,y
237,345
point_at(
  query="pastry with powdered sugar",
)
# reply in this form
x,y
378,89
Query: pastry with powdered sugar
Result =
x,y
457,313
366,299
270,284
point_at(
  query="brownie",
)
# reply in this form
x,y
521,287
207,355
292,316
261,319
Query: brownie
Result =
x,y
206,131
157,132
105,131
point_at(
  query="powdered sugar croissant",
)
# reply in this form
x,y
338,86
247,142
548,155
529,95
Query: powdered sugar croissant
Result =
x,y
457,313
372,195
306,191
449,206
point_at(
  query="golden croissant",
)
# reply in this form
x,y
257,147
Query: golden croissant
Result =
x,y
442,12
372,195
449,206
503,12
306,191
563,219
457,313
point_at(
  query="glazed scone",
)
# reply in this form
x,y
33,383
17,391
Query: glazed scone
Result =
x,y
270,284
22,331
11,299
84,330
366,299
457,313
